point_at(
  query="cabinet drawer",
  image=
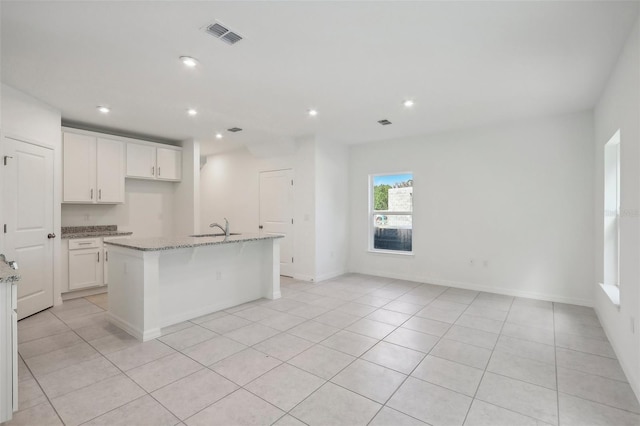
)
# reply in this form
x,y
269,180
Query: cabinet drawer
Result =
x,y
84,243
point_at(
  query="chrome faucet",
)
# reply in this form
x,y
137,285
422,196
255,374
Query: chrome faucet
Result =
x,y
225,229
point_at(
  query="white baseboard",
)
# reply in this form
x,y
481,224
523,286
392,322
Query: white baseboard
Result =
x,y
304,277
129,328
325,277
481,287
75,294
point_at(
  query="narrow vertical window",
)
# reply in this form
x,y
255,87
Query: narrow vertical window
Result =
x,y
612,210
391,213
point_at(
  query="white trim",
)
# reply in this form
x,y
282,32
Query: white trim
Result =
x,y
330,275
480,287
119,138
138,334
303,277
391,252
613,294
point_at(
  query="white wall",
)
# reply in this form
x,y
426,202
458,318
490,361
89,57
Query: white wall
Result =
x,y
517,196
229,187
186,215
332,206
148,210
619,108
31,120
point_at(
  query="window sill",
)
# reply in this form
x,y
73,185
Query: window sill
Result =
x,y
613,293
394,252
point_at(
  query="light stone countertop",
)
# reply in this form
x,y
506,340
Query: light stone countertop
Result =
x,y
166,243
95,234
92,231
8,274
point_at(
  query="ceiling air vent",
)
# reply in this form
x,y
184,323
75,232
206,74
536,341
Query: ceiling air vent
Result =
x,y
231,38
217,30
234,129
384,122
221,32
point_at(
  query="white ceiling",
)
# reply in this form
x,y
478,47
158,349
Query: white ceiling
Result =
x,y
464,63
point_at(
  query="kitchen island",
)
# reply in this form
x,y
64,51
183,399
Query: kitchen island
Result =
x,y
158,282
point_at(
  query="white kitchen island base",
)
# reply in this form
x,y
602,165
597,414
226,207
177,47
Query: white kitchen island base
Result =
x,y
152,288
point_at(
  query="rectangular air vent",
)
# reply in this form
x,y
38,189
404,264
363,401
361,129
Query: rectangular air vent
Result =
x,y
217,30
384,122
223,33
231,38
234,129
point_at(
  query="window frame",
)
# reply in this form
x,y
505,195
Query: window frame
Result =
x,y
372,213
611,268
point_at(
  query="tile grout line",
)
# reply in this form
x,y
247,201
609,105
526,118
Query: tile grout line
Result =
x,y
339,329
41,390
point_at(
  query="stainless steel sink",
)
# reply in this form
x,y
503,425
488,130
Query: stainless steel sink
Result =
x,y
220,234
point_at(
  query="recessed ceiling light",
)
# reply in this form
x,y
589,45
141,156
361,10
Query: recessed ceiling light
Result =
x,y
192,111
312,112
408,103
189,61
103,109
218,135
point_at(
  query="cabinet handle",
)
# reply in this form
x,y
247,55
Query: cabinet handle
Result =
x,y
153,171
99,194
98,257
106,256
84,244
158,170
92,193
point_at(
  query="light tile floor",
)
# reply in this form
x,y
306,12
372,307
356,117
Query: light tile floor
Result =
x,y
355,350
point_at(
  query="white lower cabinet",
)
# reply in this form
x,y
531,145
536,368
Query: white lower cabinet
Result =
x,y
86,261
9,350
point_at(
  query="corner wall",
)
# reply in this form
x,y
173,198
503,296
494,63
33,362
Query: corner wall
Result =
x,y
332,209
517,198
230,187
619,108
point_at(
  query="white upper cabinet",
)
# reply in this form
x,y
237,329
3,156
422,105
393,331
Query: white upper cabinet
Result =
x,y
169,163
79,171
150,161
110,171
141,161
93,169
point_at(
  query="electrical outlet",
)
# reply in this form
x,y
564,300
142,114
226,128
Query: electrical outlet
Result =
x,y
485,263
86,217
218,275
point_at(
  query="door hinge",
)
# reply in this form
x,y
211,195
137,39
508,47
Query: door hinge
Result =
x,y
7,156
292,260
5,228
292,221
291,182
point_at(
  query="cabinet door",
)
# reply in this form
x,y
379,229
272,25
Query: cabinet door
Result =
x,y
85,268
169,164
141,161
79,168
110,171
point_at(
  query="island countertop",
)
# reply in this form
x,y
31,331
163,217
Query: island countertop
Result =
x,y
171,243
7,273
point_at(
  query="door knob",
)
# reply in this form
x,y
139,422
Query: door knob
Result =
x,y
260,227
51,236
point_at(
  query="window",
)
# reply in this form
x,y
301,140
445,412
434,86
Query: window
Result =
x,y
391,213
612,210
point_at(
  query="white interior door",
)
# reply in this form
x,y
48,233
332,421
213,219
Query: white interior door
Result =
x,y
276,213
28,215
